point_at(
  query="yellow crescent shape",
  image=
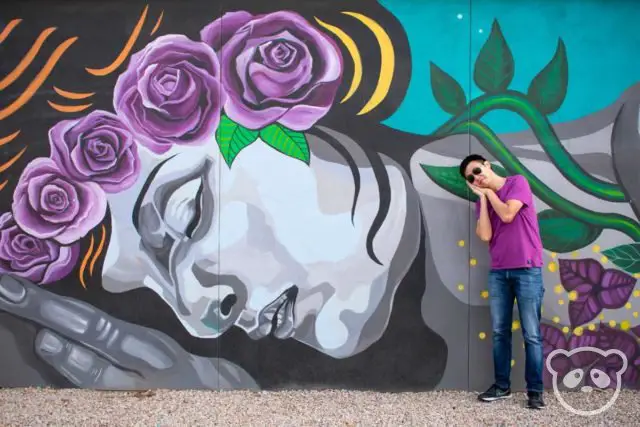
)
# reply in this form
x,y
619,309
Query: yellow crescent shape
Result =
x,y
355,55
387,61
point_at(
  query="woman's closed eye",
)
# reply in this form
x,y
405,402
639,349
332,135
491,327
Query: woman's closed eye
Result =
x,y
183,210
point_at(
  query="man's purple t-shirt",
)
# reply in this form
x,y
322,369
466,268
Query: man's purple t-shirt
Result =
x,y
516,244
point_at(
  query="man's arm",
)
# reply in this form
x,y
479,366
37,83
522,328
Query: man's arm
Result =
x,y
506,211
519,196
483,227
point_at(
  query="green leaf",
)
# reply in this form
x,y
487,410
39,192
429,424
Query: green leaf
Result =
x,y
232,138
287,141
548,88
627,257
449,178
562,233
494,67
447,91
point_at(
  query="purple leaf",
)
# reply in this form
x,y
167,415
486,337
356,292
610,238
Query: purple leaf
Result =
x,y
616,339
583,310
631,377
584,358
580,275
552,339
616,288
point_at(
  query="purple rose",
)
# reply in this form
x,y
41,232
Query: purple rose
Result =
x,y
49,205
99,148
171,93
275,68
41,261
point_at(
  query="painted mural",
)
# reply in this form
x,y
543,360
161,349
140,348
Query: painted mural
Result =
x,y
221,196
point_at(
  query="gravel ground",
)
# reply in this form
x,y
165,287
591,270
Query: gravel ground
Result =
x,y
71,407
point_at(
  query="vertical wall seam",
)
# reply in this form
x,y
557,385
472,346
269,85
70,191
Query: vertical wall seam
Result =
x,y
469,59
218,202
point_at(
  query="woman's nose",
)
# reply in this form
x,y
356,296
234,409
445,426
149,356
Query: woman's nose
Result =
x,y
223,310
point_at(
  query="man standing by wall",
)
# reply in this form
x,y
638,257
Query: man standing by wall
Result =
x,y
507,220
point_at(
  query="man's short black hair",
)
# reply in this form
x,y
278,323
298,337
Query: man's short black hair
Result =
x,y
470,158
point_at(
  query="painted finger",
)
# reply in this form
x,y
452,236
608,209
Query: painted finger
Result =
x,y
124,344
83,367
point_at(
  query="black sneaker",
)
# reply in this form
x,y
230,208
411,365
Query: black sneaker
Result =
x,y
494,393
534,400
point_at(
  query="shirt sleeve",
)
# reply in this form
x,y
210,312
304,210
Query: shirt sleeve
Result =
x,y
520,191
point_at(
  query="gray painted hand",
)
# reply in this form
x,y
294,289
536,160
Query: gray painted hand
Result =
x,y
94,350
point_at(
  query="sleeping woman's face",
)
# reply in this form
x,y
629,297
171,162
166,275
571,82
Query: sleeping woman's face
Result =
x,y
269,245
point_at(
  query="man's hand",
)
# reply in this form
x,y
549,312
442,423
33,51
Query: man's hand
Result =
x,y
480,192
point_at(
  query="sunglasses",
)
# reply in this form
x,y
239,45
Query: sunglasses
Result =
x,y
475,171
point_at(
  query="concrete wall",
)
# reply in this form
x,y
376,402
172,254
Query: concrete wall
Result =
x,y
250,194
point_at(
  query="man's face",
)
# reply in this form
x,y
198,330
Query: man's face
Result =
x,y
478,174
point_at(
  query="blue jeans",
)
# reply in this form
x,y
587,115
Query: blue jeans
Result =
x,y
525,285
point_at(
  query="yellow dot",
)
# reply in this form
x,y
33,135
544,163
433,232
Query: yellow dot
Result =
x,y
461,243
560,302
601,317
482,335
558,289
552,266
592,327
484,294
596,248
473,261
604,259
628,306
565,329
515,325
553,254
460,287
625,325
635,314
636,293
636,275
513,362
541,309
573,295
575,254
612,323
556,319
578,331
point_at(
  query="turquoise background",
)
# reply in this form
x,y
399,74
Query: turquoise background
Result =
x,y
603,50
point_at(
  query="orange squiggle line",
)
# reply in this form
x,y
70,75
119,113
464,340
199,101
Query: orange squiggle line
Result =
x,y
158,22
27,60
84,263
38,80
99,250
125,50
69,108
12,160
72,95
8,139
4,184
7,30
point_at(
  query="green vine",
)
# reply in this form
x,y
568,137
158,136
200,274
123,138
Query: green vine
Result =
x,y
542,129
